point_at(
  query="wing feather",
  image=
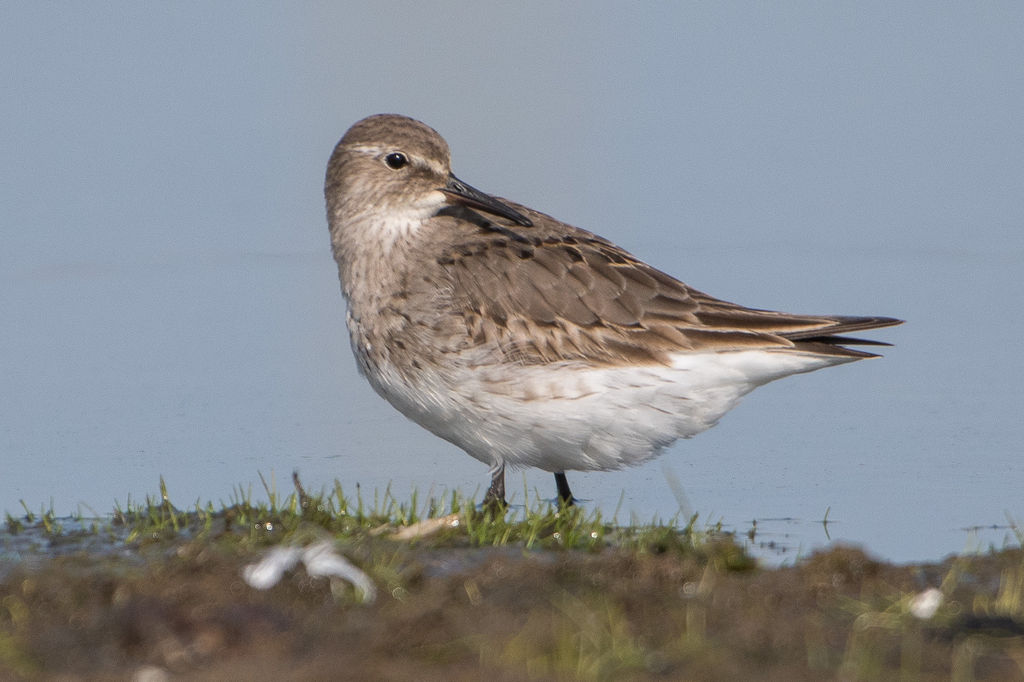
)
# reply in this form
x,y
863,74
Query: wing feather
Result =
x,y
553,292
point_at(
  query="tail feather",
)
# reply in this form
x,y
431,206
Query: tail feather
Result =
x,y
832,343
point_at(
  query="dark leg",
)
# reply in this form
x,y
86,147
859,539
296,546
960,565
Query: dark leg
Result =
x,y
496,493
564,494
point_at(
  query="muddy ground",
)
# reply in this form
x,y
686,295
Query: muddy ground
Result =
x,y
179,608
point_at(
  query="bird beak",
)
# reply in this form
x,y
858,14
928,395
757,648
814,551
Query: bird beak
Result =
x,y
459,192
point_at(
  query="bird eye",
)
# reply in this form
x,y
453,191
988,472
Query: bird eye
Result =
x,y
396,160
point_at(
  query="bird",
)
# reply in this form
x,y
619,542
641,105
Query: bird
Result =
x,y
526,341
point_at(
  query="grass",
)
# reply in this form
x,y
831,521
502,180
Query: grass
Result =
x,y
539,524
536,590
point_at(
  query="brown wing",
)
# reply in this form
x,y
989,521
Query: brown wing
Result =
x,y
554,292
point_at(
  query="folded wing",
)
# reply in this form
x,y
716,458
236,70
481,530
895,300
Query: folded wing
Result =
x,y
553,292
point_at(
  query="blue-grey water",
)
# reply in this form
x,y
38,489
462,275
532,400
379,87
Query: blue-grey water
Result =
x,y
169,306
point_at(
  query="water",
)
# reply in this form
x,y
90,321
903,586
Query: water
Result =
x,y
169,305
902,453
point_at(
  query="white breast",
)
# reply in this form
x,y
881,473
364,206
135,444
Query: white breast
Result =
x,y
571,417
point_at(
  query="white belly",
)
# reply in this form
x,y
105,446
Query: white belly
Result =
x,y
571,417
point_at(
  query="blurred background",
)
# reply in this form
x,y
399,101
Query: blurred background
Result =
x,y
169,305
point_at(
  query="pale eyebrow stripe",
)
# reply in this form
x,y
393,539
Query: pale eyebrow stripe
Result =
x,y
367,149
377,151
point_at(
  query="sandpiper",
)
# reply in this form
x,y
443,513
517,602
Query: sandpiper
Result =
x,y
528,342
